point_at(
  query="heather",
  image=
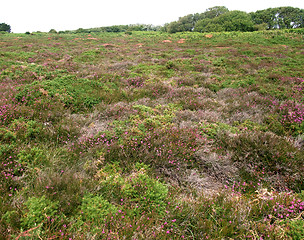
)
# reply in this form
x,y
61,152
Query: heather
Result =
x,y
150,135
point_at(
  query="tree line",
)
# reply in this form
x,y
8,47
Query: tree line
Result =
x,y
219,19
116,28
215,19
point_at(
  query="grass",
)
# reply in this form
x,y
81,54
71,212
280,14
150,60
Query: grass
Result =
x,y
147,136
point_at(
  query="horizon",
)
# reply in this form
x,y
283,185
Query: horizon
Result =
x,y
33,16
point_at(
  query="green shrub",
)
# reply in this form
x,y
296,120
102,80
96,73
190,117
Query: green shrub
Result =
x,y
296,229
7,136
140,192
301,195
26,129
39,210
111,181
146,194
33,129
32,157
95,208
212,129
11,218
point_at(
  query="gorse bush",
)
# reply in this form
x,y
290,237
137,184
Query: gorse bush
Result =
x,y
40,211
94,209
145,193
7,135
26,129
296,229
138,191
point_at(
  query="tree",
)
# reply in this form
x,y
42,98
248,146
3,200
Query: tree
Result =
x,y
279,18
188,22
214,12
52,31
208,25
229,21
289,17
236,21
5,27
173,27
183,24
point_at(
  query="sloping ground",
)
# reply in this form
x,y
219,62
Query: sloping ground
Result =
x,y
152,136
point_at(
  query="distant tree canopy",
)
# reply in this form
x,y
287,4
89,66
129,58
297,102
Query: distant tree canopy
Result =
x,y
188,23
5,27
229,21
219,18
215,19
119,28
52,31
279,18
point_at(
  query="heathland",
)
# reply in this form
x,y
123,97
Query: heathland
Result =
x,y
151,135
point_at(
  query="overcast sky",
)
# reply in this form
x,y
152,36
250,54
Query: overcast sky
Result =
x,y
43,15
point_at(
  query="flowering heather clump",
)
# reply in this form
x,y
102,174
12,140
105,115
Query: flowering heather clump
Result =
x,y
292,117
135,82
292,80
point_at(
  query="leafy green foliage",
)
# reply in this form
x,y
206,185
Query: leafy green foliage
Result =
x,y
230,21
138,192
145,193
5,27
31,158
281,17
39,210
94,209
220,19
296,229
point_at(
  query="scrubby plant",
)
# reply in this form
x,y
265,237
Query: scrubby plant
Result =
x,y
40,211
144,193
7,136
296,229
32,158
95,208
264,155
